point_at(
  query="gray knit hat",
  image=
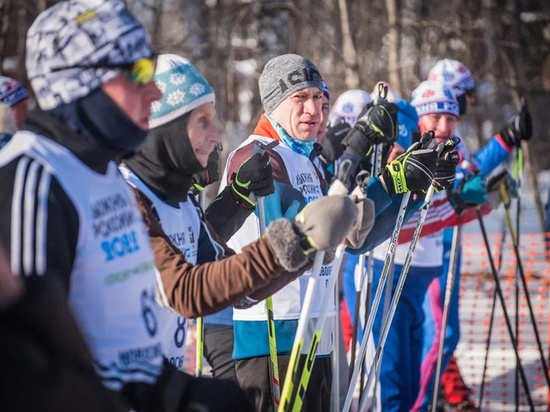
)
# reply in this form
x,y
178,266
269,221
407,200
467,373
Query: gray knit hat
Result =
x,y
284,75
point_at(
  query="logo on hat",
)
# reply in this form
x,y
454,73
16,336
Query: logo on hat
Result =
x,y
427,94
448,76
299,76
348,108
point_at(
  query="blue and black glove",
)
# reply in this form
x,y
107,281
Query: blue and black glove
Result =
x,y
471,192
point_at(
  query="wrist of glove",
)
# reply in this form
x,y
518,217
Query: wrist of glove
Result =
x,y
253,178
520,127
321,225
412,171
209,175
471,192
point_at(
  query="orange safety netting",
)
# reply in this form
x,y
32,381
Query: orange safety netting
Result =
x,y
476,298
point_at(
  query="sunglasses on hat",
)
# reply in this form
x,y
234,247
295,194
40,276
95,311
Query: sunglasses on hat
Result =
x,y
141,71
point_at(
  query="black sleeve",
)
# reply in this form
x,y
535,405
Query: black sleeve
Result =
x,y
38,223
226,215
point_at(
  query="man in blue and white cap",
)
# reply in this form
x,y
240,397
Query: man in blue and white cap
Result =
x,y
400,371
457,76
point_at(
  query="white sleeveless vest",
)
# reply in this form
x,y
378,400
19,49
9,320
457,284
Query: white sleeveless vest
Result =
x,y
287,303
183,227
112,284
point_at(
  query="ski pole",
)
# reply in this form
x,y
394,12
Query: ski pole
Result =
x,y
376,165
448,295
516,174
199,352
393,305
506,200
359,277
378,295
335,392
498,290
386,324
491,319
273,360
200,348
293,363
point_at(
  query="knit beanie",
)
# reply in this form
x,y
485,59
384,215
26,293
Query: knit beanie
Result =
x,y
183,89
326,90
454,74
284,75
11,91
432,97
75,46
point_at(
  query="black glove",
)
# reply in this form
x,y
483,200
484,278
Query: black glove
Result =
x,y
520,127
376,124
332,145
209,175
254,178
446,169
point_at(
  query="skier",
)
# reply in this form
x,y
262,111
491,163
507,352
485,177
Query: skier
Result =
x,y
70,219
291,93
7,124
16,97
457,76
162,172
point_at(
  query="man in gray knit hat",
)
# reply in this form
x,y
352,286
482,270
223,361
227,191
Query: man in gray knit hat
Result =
x,y
291,92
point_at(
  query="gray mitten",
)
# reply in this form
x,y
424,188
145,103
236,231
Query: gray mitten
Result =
x,y
321,225
365,219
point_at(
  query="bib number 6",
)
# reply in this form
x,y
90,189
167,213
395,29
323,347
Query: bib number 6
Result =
x,y
147,313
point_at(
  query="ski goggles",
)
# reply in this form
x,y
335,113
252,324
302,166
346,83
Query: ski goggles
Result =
x,y
142,71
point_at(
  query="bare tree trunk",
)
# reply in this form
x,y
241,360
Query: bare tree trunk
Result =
x,y
348,49
5,21
393,54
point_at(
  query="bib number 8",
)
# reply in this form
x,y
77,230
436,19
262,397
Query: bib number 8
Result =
x,y
179,336
149,318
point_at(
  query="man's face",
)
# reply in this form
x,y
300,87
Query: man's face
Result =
x,y
325,109
20,111
202,132
300,113
134,99
444,125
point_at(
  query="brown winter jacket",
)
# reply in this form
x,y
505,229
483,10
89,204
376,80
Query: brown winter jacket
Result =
x,y
238,280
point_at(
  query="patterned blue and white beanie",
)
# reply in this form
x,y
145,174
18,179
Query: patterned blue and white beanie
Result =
x,y
183,89
11,91
81,33
454,74
432,97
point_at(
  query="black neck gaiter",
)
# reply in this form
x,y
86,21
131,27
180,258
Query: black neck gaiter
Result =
x,y
100,120
167,161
